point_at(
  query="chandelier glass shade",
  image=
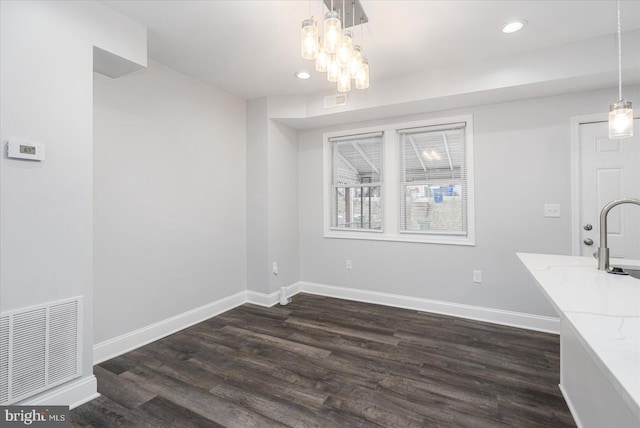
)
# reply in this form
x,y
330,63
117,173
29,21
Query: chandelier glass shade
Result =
x,y
621,119
333,70
332,31
354,62
323,57
309,38
343,54
334,51
362,78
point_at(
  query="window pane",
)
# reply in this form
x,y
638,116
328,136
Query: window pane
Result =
x,y
433,179
434,155
358,160
357,178
358,208
438,209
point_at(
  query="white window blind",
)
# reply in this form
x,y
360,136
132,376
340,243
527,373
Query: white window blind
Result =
x,y
357,182
433,180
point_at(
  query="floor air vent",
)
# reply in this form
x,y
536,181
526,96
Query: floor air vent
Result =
x,y
39,348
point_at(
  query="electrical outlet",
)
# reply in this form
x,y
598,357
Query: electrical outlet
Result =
x,y
274,268
552,210
347,264
477,276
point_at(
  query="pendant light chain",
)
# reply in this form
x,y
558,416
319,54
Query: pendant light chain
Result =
x,y
344,15
619,56
361,35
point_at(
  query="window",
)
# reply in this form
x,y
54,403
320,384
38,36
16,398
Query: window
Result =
x,y
425,193
357,181
433,180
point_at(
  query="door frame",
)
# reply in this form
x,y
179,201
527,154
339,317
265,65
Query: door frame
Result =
x,y
576,121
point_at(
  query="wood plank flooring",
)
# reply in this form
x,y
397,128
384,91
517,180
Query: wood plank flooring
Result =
x,y
322,362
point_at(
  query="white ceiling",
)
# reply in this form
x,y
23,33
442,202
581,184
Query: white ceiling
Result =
x,y
250,48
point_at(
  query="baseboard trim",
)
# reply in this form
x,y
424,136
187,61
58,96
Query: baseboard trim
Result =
x,y
76,392
268,300
127,342
477,313
111,348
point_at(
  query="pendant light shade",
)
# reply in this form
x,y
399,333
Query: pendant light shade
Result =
x,y
621,119
343,53
322,59
332,31
354,62
309,38
333,69
362,79
344,81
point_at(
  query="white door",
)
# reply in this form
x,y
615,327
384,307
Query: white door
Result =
x,y
609,169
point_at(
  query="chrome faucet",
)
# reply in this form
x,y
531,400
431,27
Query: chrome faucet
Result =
x,y
603,250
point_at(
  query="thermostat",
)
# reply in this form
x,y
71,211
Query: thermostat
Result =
x,y
24,150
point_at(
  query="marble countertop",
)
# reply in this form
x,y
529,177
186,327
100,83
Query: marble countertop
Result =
x,y
603,308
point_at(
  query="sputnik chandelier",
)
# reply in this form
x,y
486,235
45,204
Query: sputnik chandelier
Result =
x,y
334,51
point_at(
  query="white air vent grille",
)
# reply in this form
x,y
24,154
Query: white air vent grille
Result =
x,y
335,100
4,359
39,348
63,348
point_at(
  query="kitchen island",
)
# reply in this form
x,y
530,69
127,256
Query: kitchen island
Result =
x,y
599,337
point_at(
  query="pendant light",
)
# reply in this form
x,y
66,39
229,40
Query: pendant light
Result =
x,y
362,79
334,50
356,55
343,54
322,59
309,38
333,69
344,81
620,113
355,62
332,30
362,76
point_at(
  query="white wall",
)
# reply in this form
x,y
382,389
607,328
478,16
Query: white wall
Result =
x,y
272,200
258,271
46,207
283,204
169,198
522,161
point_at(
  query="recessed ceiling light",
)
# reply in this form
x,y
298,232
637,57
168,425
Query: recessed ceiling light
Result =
x,y
513,26
302,75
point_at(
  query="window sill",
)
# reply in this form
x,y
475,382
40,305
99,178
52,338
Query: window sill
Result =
x,y
380,236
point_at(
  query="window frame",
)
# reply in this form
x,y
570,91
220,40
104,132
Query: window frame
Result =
x,y
390,186
330,198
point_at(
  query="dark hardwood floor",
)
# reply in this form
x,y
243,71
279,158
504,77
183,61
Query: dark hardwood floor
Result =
x,y
322,362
